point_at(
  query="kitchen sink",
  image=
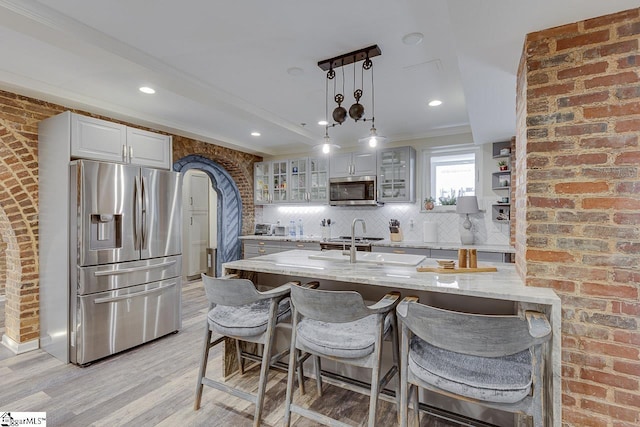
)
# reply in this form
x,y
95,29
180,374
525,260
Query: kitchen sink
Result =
x,y
372,258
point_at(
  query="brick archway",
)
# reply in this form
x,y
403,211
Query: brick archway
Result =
x,y
229,205
19,230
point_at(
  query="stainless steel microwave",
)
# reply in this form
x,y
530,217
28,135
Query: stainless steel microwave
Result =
x,y
353,190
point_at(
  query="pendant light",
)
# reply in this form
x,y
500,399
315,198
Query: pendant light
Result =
x,y
357,110
373,138
327,144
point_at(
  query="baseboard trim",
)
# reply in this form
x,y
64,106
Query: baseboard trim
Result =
x,y
20,347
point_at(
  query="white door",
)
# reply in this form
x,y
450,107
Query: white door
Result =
x,y
196,222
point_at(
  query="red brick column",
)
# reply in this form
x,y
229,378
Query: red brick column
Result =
x,y
578,205
18,216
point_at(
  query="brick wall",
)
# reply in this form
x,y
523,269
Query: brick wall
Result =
x,y
238,164
578,205
19,117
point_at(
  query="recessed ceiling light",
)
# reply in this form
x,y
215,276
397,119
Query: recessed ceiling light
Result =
x,y
147,90
255,133
295,71
435,103
412,38
323,122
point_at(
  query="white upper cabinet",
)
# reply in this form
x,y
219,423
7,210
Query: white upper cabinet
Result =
x,y
358,164
149,148
98,139
93,138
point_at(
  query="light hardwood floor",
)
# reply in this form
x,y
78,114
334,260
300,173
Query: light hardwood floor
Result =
x,y
154,385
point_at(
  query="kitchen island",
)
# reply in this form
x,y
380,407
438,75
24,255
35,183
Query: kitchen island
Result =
x,y
502,292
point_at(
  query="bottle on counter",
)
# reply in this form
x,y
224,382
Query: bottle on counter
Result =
x,y
300,228
292,228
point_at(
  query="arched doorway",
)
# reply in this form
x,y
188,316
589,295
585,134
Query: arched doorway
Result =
x,y
229,206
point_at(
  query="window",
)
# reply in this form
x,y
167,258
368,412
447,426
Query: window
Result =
x,y
449,174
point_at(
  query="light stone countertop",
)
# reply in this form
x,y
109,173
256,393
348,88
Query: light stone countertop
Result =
x,y
388,243
505,284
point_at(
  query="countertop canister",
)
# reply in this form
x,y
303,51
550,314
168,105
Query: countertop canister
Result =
x,y
429,231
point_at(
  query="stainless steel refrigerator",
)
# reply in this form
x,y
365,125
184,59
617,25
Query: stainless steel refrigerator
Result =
x,y
125,270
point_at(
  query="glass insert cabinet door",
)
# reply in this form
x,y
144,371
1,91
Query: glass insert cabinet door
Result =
x,y
299,178
262,184
280,177
319,171
396,174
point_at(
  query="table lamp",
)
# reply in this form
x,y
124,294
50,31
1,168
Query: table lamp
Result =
x,y
467,205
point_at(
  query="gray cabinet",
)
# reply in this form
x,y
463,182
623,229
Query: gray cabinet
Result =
x,y
262,183
309,178
305,246
254,248
483,256
99,139
396,175
356,164
300,180
270,182
400,250
318,180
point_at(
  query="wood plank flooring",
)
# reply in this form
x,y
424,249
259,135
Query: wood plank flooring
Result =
x,y
154,385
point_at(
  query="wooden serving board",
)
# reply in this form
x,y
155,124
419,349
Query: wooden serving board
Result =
x,y
456,270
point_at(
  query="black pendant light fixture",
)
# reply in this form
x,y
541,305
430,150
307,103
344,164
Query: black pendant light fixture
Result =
x,y
357,110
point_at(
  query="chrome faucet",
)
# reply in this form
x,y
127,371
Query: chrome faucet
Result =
x,y
352,251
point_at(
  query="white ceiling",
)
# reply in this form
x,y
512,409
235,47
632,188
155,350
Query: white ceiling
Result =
x,y
220,67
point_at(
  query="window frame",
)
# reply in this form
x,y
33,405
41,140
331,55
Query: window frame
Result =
x,y
426,178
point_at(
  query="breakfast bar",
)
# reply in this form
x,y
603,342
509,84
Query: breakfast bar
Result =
x,y
373,275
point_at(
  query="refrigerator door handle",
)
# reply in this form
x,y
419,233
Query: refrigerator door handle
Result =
x,y
134,269
133,295
145,217
137,213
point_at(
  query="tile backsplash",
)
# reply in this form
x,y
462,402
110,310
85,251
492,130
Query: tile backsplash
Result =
x,y
412,221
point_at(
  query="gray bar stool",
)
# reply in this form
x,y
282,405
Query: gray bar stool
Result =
x,y
337,325
237,310
491,360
